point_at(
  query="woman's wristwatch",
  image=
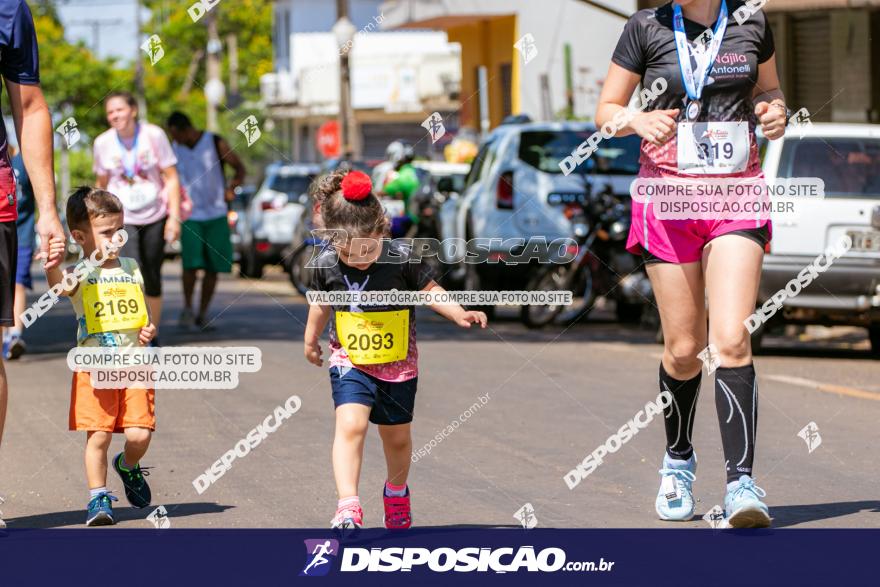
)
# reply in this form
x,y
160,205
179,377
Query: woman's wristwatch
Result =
x,y
786,109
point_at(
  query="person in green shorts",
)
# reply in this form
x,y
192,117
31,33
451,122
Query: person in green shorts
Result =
x,y
205,239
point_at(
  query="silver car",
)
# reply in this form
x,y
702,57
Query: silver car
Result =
x,y
273,213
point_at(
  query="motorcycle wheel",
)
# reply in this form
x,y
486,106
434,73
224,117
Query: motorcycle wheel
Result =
x,y
474,282
300,275
250,266
535,316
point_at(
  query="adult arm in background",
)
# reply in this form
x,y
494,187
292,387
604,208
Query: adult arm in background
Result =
x,y
33,126
228,156
172,187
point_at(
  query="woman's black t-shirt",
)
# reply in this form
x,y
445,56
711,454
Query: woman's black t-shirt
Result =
x,y
647,48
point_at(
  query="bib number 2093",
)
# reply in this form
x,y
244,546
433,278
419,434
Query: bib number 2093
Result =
x,y
372,338
367,342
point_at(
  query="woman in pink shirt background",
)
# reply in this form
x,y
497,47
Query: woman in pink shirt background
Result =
x,y
134,160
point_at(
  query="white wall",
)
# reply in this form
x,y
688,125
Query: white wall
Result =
x,y
593,34
312,16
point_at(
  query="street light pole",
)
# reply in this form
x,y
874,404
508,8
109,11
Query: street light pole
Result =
x,y
213,85
344,31
139,64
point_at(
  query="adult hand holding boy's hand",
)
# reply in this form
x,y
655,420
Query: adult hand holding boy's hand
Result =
x,y
146,334
49,228
56,249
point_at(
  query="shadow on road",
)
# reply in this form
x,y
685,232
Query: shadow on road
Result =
x,y
123,514
819,351
791,515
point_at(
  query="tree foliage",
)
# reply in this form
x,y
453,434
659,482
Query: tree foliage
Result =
x,y
75,81
185,41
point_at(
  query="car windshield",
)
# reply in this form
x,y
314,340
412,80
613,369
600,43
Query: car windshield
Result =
x,y
850,167
458,179
292,185
544,150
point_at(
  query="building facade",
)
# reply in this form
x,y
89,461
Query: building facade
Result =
x,y
398,79
544,58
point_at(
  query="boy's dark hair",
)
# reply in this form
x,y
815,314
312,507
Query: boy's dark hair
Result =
x,y
358,218
86,203
127,96
179,120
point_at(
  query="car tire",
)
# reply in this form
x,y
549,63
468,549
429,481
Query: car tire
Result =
x,y
628,312
874,335
474,281
537,316
250,266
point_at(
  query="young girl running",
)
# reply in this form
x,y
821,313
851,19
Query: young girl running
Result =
x,y
373,359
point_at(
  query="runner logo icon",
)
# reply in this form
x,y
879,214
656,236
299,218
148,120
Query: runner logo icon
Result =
x,y
320,555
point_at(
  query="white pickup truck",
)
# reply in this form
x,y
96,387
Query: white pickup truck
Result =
x,y
847,158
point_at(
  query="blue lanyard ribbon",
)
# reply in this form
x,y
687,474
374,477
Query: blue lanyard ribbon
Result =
x,y
129,156
695,81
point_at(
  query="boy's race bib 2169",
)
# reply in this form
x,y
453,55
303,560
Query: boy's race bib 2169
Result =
x,y
371,338
114,306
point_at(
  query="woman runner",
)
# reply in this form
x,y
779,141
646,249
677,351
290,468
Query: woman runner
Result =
x,y
722,83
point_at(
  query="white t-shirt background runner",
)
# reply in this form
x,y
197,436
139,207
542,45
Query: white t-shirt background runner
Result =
x,y
202,175
154,154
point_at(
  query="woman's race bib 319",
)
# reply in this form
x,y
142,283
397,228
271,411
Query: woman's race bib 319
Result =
x,y
713,148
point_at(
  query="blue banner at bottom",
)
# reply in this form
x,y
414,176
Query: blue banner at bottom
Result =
x,y
439,556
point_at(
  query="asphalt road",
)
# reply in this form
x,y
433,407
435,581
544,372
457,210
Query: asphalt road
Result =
x,y
552,397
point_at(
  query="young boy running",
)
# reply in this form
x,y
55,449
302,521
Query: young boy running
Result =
x,y
111,312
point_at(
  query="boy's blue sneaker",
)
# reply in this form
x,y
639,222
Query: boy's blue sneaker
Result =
x,y
136,489
100,512
675,500
13,347
743,506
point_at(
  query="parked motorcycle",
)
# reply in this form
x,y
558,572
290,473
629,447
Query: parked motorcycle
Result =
x,y
305,247
601,266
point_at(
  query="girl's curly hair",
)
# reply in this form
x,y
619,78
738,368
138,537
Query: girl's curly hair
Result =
x,y
353,218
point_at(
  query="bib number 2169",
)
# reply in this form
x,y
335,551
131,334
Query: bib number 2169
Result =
x,y
114,306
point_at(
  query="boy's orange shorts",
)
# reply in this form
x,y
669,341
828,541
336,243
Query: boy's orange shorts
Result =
x,y
109,410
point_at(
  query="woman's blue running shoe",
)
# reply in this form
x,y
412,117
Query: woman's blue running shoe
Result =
x,y
100,511
743,505
675,500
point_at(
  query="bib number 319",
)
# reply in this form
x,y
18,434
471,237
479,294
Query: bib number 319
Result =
x,y
713,148
372,338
